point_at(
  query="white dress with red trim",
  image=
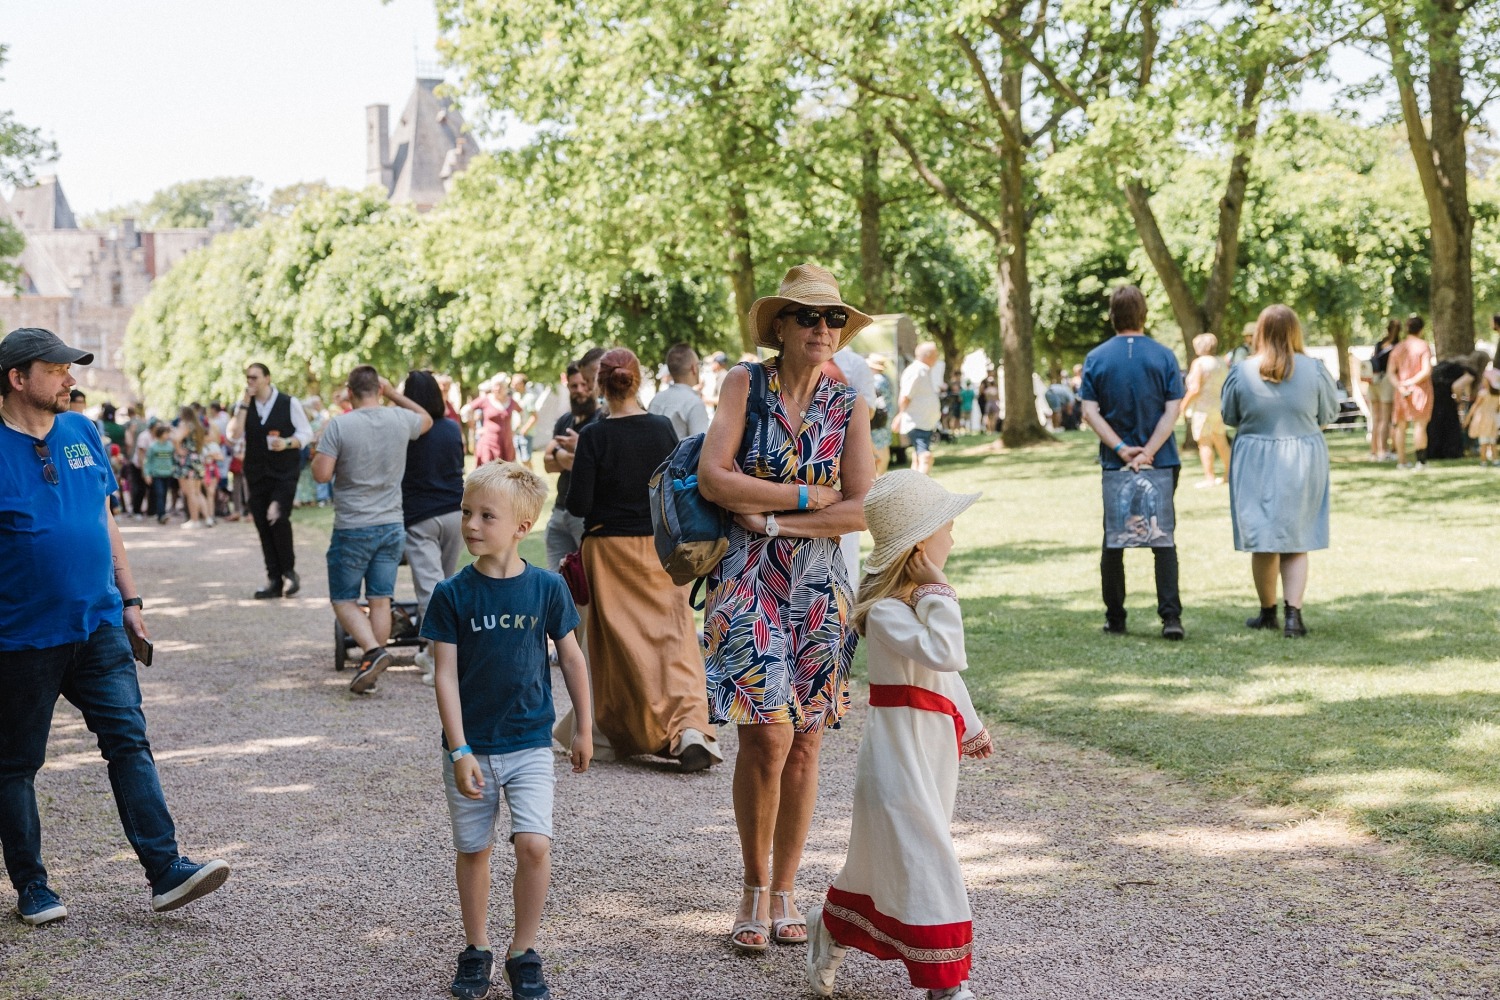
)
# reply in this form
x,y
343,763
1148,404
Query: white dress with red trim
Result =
x,y
901,892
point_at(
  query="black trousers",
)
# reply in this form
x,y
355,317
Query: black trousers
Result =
x,y
275,539
1112,576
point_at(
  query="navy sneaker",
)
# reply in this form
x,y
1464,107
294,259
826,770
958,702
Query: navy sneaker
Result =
x,y
370,667
39,905
186,881
472,980
524,973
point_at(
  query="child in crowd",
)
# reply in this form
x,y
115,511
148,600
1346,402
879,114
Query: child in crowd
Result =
x,y
1482,421
489,625
160,461
901,892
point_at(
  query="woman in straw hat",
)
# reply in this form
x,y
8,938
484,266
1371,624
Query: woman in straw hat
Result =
x,y
900,895
776,635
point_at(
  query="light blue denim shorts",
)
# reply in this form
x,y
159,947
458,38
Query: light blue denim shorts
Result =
x,y
527,778
368,556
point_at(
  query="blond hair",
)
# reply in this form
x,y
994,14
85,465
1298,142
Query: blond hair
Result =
x,y
523,489
1205,343
1278,339
876,587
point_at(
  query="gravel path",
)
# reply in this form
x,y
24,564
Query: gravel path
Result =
x,y
1090,878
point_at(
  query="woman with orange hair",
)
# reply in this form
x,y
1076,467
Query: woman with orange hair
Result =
x,y
1280,399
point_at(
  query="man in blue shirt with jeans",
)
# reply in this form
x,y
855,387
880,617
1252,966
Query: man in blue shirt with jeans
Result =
x,y
1132,390
63,628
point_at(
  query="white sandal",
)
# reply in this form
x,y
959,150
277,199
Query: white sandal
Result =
x,y
824,954
752,926
777,923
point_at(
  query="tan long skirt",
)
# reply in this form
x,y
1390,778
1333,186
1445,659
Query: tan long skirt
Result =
x,y
645,666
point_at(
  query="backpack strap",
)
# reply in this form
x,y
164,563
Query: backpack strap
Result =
x,y
757,406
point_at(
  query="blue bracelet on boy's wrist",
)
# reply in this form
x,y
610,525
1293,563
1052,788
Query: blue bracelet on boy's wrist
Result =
x,y
457,755
1119,446
801,497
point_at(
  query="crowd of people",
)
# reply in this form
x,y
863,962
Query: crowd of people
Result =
x,y
794,448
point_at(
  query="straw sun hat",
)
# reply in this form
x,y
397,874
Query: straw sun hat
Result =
x,y
804,285
905,507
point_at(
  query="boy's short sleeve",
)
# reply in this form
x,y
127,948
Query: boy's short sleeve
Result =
x,y
562,613
441,621
1086,383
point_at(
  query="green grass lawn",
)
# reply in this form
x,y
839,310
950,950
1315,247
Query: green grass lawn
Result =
x,y
1389,712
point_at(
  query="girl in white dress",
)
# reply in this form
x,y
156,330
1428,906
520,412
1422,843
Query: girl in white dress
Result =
x,y
901,892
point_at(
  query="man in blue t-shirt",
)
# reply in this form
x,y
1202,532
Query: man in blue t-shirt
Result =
x,y
1132,390
63,628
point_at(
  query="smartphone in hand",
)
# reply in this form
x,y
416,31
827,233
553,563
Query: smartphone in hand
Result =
x,y
142,648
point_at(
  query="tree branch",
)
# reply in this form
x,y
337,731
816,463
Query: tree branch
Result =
x,y
1004,116
937,184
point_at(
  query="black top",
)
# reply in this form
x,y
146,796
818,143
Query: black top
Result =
x,y
1381,358
260,461
434,480
566,423
615,460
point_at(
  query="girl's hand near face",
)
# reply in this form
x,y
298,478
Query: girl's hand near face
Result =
x,y
923,570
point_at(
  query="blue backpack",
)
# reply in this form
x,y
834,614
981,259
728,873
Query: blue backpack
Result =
x,y
691,532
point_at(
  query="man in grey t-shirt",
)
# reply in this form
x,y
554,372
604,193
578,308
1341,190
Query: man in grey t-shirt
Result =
x,y
364,453
679,402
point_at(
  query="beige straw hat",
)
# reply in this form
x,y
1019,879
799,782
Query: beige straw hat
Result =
x,y
905,507
804,285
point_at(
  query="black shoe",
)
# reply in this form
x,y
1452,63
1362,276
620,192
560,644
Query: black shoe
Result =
x,y
524,973
1266,619
272,589
472,980
1114,628
1171,628
370,667
293,583
1294,627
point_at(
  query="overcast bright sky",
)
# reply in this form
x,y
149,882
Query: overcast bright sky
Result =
x,y
138,95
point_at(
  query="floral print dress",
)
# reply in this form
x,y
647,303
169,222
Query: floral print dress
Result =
x,y
777,639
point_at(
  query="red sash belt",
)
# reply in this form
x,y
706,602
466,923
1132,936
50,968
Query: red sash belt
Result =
x,y
911,696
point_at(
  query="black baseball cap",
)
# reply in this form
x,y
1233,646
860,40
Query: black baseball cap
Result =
x,y
30,343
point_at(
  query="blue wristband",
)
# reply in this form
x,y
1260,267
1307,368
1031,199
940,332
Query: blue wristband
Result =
x,y
801,497
457,755
1119,446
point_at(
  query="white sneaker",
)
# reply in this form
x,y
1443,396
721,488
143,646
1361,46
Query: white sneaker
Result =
x,y
424,661
824,955
959,992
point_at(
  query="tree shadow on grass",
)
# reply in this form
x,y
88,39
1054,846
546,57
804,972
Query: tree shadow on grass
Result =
x,y
1387,710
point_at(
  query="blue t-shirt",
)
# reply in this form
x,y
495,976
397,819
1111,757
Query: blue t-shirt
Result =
x,y
57,575
1132,378
433,483
501,628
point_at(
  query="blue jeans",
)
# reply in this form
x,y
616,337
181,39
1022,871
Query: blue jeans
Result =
x,y
98,677
364,555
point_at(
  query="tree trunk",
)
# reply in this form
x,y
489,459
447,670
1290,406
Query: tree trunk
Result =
x,y
871,261
741,263
1022,426
947,341
1442,165
1339,328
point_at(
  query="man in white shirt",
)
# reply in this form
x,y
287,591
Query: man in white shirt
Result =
x,y
718,369
919,402
680,402
275,430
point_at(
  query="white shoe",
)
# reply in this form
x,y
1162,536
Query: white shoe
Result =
x,y
1204,484
424,660
959,992
824,955
208,523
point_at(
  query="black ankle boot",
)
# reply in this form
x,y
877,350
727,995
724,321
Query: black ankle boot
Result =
x,y
1266,619
1294,627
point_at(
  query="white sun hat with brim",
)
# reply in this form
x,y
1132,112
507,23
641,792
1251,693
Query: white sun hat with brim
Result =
x,y
804,285
905,507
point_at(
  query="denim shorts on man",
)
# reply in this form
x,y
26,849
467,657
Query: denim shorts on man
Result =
x,y
527,778
921,441
364,555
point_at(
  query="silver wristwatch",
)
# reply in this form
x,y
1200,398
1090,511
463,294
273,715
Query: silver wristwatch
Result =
x,y
772,528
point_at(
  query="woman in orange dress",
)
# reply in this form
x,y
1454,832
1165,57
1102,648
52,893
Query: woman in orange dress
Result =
x,y
1410,368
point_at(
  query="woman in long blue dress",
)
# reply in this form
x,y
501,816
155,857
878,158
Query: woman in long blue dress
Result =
x,y
1280,399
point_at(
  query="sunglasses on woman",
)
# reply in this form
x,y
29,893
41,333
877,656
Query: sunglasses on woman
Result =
x,y
807,317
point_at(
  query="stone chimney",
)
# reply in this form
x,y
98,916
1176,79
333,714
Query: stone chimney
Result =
x,y
378,146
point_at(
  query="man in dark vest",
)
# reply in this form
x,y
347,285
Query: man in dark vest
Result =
x,y
275,430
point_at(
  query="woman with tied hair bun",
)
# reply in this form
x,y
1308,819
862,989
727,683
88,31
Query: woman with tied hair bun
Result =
x,y
650,696
1280,399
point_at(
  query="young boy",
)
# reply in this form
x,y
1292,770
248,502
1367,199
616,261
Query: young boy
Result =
x,y
489,625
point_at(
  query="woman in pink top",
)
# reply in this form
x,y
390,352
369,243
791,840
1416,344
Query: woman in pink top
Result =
x,y
1410,368
496,407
